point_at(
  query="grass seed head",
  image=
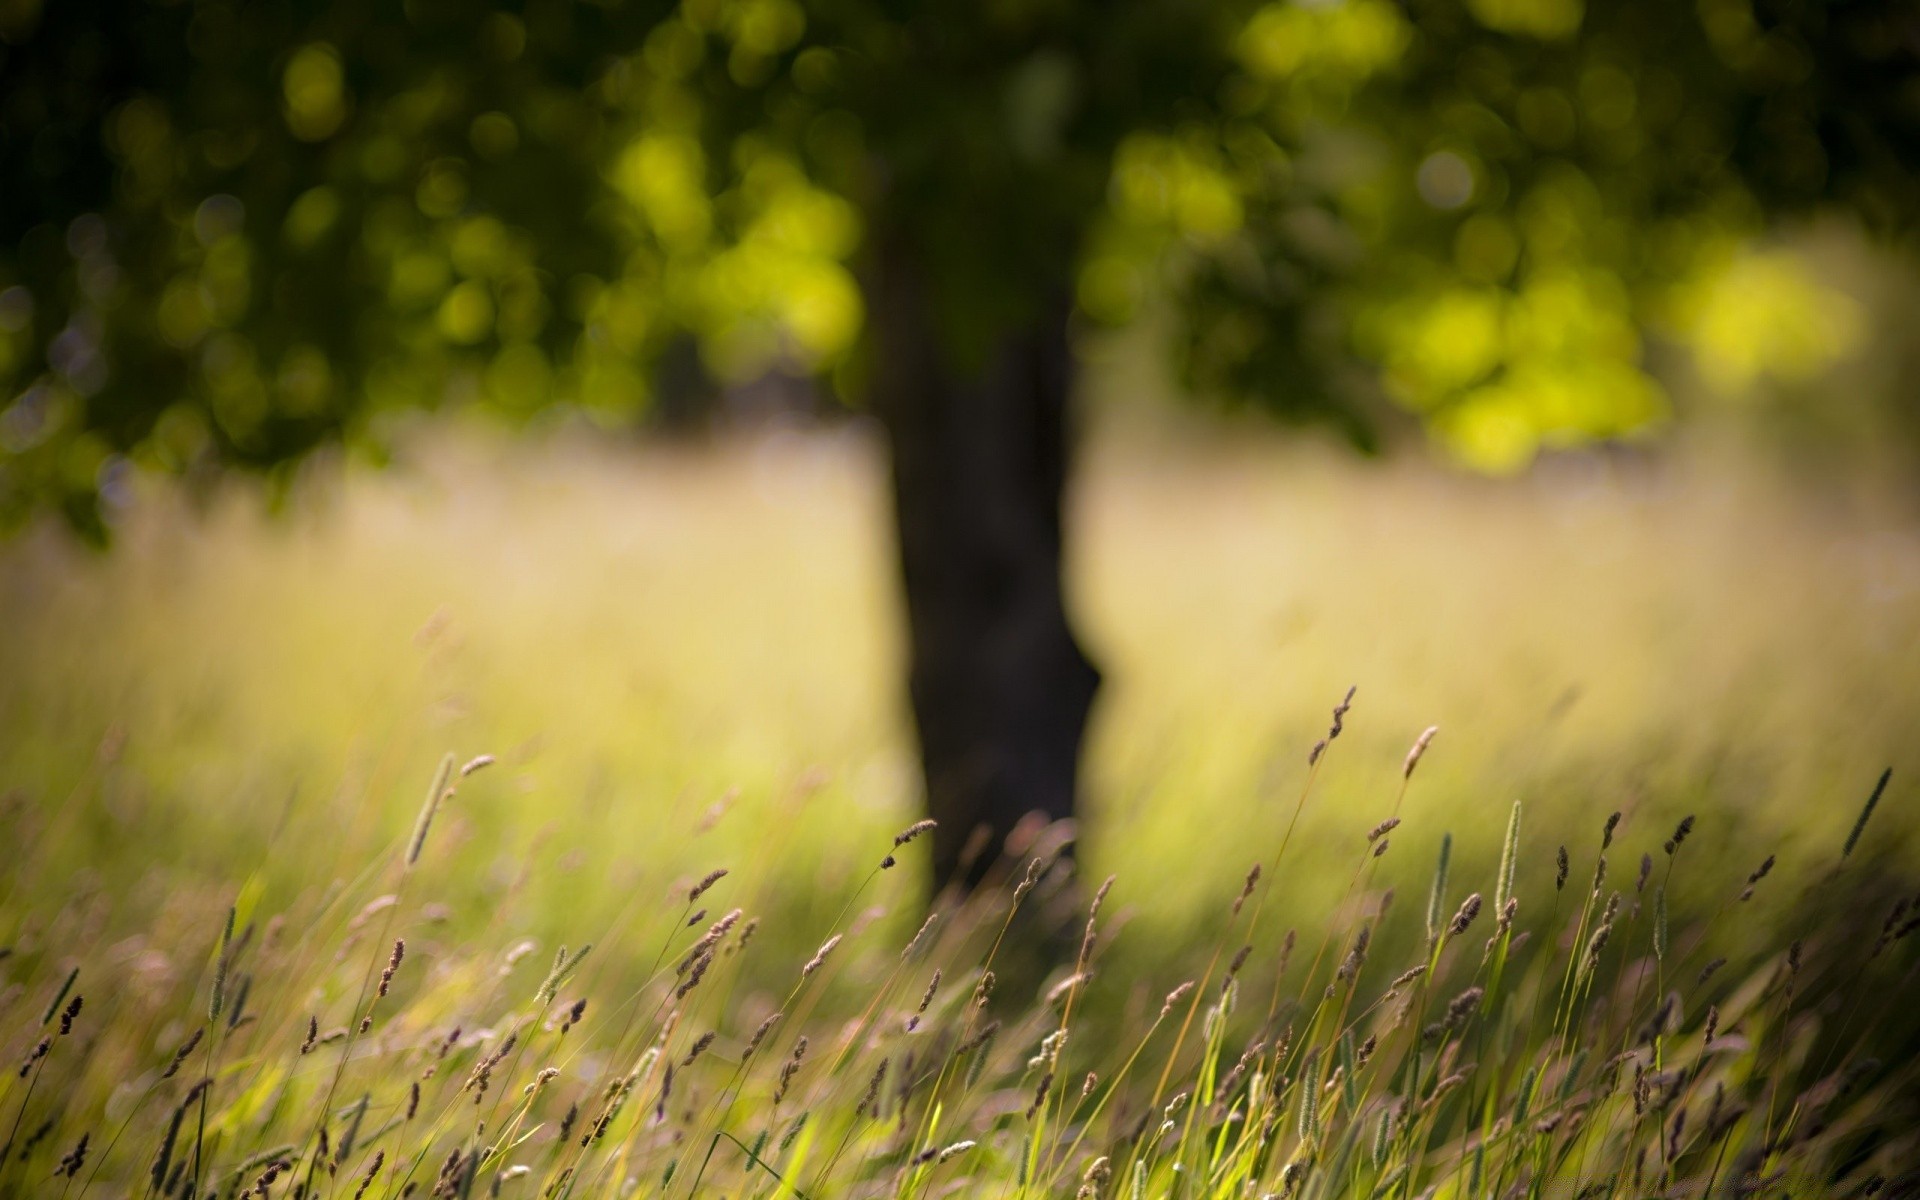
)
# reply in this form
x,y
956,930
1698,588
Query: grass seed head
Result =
x,y
1094,1181
1418,751
1040,1094
699,1047
1334,731
1660,924
1340,713
695,974
1469,909
926,997
1406,977
1239,960
186,1048
1032,876
564,966
983,990
913,831
373,1169
820,956
164,1159
903,837
1357,956
1503,921
1464,1005
746,934
790,1068
914,942
706,881
1679,835
707,941
1509,859
1596,943
393,964
793,1130
666,1094
74,1159
1246,889
1100,898
760,1035
66,1014
870,1102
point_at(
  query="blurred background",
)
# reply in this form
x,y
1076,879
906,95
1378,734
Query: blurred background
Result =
x,y
580,382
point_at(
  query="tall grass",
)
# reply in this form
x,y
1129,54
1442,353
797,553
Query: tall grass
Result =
x,y
237,716
1583,1038
636,632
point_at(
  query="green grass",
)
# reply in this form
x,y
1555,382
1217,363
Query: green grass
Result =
x,y
682,661
1571,1041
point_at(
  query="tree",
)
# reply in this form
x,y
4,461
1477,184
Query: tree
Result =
x,y
232,233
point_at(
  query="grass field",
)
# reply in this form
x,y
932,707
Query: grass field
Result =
x,y
682,660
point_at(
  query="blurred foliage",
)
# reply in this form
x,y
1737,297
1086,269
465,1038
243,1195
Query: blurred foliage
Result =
x,y
236,232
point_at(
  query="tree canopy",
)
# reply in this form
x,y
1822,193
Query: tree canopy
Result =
x,y
232,232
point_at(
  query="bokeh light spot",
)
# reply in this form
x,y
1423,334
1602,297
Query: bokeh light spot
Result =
x,y
315,90
1445,180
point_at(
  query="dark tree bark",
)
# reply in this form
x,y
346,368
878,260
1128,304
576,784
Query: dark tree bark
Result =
x,y
1000,688
685,396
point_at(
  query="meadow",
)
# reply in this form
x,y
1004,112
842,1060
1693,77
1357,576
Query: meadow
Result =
x,y
316,812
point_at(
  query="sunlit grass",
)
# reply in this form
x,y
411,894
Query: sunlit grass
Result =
x,y
640,632
685,659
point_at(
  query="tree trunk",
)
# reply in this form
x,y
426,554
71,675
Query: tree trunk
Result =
x,y
999,687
